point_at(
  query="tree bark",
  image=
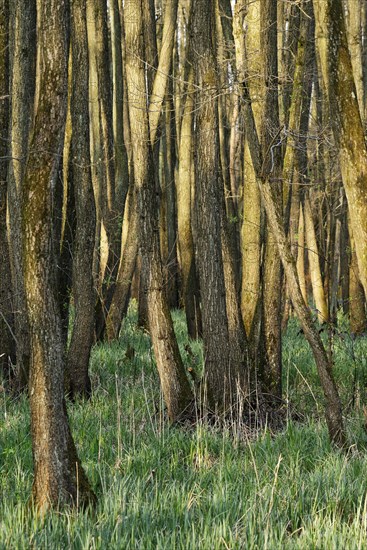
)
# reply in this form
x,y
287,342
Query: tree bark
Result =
x,y
337,72
333,410
83,285
226,376
314,265
272,276
7,341
175,385
22,90
357,302
58,476
190,285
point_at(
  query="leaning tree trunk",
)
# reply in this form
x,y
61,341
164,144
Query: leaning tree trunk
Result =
x,y
333,412
58,476
175,385
83,287
129,253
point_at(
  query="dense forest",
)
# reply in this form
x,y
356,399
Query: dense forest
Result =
x,y
173,167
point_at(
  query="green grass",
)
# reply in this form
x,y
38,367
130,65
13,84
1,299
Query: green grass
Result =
x,y
165,487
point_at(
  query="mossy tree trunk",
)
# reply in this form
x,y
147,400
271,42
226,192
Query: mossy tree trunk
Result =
x,y
58,476
337,73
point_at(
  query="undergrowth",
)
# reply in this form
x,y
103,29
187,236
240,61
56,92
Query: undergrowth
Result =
x,y
168,487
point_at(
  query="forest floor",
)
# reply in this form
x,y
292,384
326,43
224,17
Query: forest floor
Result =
x,y
174,488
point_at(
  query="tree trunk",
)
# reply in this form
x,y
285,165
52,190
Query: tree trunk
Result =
x,y
190,286
251,291
355,38
301,255
336,68
165,63
314,265
175,385
169,153
333,410
111,216
121,159
357,302
58,476
119,303
226,377
83,287
7,342
272,275
22,89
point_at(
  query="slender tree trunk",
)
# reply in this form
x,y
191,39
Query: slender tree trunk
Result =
x,y
64,220
58,476
336,68
175,385
226,376
170,190
344,262
95,143
333,409
357,302
300,102
22,90
165,63
127,267
314,265
252,220
7,342
190,286
121,159
289,17
272,276
111,216
83,287
301,255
